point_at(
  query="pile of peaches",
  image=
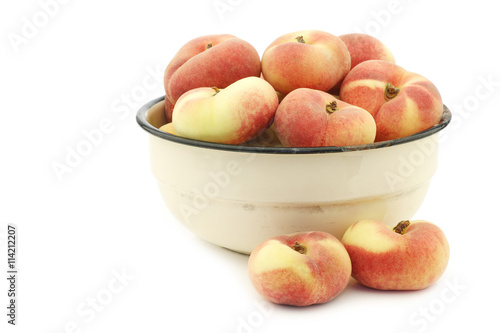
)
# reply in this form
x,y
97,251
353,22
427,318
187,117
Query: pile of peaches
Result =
x,y
315,267
309,89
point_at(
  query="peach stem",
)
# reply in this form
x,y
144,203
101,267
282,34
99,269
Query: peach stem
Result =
x,y
300,39
209,45
331,107
299,248
217,90
391,91
401,227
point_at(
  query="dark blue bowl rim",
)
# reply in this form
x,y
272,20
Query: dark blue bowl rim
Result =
x,y
141,120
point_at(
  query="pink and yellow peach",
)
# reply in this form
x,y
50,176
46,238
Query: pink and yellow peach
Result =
x,y
305,59
411,256
233,115
210,61
314,118
403,103
363,47
300,269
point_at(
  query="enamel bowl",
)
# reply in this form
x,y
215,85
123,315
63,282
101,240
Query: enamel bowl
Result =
x,y
239,196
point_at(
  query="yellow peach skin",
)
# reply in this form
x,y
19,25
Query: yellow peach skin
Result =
x,y
403,103
300,269
233,115
305,59
411,257
168,128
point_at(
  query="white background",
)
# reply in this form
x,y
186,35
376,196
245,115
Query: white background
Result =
x,y
89,63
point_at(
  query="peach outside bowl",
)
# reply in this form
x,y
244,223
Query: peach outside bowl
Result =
x,y
239,196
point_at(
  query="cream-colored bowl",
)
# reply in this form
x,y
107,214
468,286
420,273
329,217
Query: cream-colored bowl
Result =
x,y
239,196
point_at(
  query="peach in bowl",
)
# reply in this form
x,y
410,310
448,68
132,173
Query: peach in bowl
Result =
x,y
237,196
